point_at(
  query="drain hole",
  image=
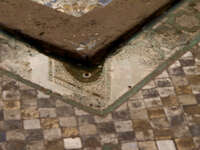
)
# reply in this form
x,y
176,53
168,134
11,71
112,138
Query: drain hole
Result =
x,y
87,75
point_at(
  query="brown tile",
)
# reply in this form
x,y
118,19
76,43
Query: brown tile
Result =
x,y
29,113
140,125
192,109
194,79
49,123
185,144
163,134
156,113
169,101
149,145
54,145
183,90
70,132
11,105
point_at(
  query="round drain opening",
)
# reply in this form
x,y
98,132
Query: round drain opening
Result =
x,y
87,75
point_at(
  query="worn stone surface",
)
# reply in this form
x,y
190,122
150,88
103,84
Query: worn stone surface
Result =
x,y
84,39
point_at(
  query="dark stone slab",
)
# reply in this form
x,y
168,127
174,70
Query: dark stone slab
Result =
x,y
59,34
106,128
34,135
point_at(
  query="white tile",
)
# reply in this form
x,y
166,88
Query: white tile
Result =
x,y
166,145
130,146
72,143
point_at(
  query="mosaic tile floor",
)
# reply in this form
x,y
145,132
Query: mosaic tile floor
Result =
x,y
163,115
75,8
104,88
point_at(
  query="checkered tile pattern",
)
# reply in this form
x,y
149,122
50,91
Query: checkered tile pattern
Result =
x,y
164,115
